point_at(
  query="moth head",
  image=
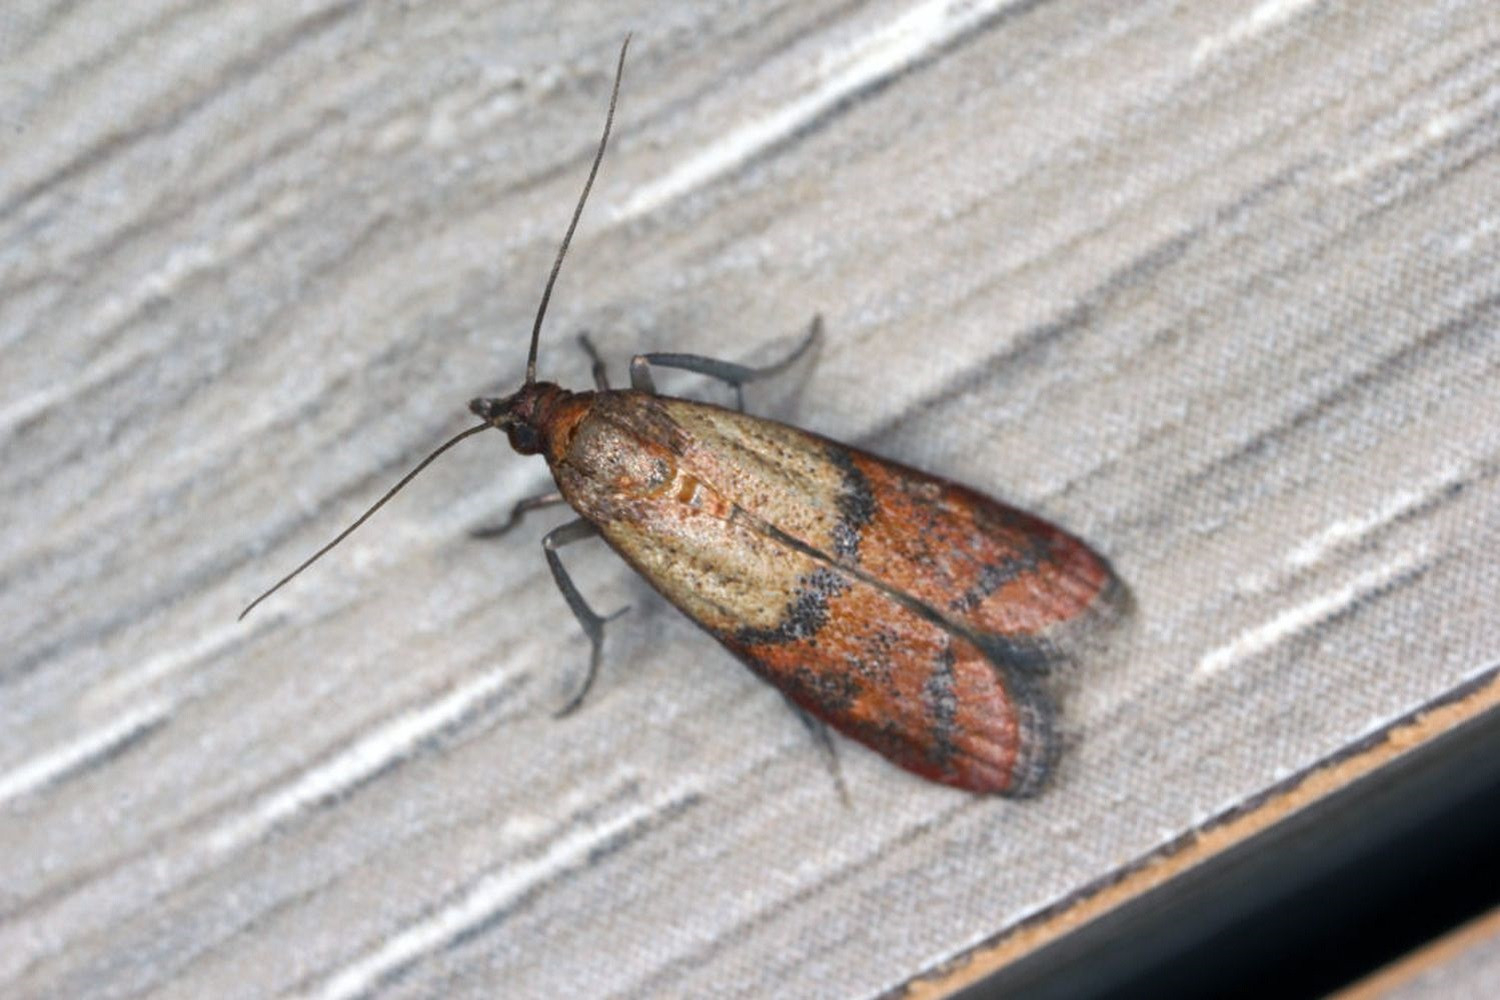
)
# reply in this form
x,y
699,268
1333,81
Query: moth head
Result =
x,y
517,415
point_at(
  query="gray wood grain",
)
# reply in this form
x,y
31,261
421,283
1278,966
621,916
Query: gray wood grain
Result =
x,y
1213,284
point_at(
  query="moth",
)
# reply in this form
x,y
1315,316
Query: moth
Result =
x,y
910,613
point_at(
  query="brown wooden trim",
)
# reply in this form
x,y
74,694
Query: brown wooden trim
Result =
x,y
1465,703
1483,930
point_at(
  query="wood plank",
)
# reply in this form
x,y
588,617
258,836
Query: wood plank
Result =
x,y
1212,284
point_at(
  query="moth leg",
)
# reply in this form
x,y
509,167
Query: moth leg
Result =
x,y
520,510
824,739
725,371
601,376
593,625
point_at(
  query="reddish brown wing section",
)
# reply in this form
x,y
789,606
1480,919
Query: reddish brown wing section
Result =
x,y
901,609
992,568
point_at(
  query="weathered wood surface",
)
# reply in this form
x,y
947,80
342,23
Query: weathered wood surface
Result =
x,y
1216,285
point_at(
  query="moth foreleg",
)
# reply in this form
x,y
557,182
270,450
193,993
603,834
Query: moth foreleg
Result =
x,y
593,625
601,375
734,374
522,507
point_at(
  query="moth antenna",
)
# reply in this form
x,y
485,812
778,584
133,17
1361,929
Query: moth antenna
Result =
x,y
609,120
365,516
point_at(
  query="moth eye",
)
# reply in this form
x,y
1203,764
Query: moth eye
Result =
x,y
525,439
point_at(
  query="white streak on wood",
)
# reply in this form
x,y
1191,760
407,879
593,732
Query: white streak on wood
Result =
x,y
876,56
392,741
1432,131
177,269
59,761
173,661
483,900
1256,640
1347,530
1265,17
32,405
1351,530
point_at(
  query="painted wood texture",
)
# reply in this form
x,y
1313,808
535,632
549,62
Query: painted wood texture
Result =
x,y
1214,285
